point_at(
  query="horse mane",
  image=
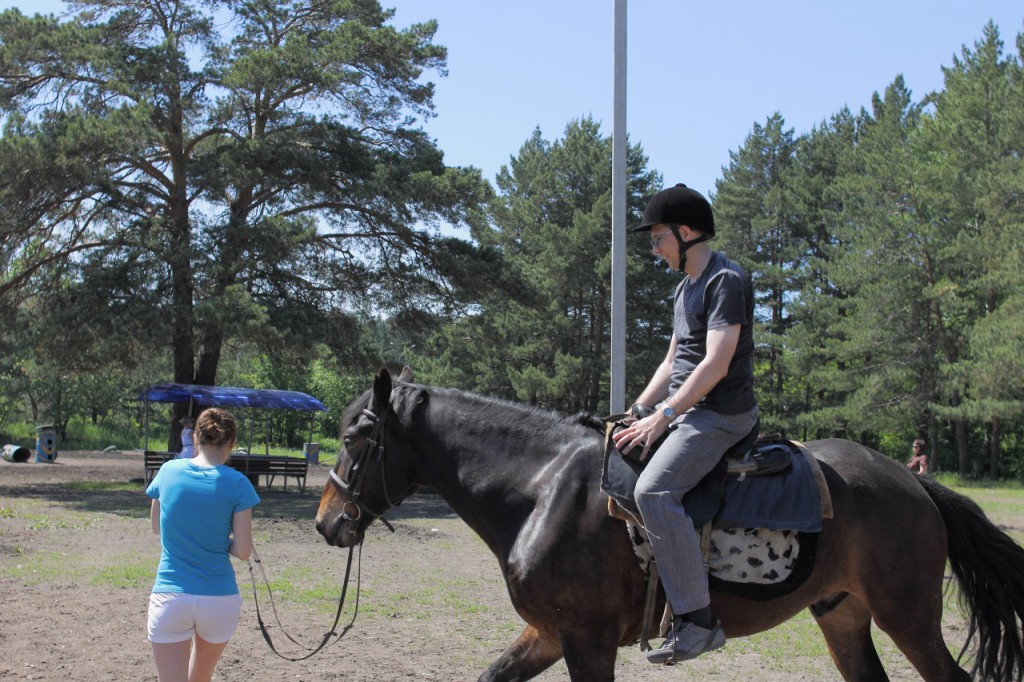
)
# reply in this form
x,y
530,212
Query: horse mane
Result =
x,y
590,420
529,412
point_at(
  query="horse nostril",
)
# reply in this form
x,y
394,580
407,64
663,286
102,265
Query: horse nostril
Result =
x,y
321,528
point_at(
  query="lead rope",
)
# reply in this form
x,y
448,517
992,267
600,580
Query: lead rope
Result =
x,y
337,616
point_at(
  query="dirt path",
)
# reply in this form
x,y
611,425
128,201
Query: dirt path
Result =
x,y
77,561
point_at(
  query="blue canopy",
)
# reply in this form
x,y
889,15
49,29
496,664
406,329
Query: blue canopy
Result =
x,y
227,396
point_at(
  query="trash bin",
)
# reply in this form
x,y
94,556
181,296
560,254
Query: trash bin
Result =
x,y
16,453
311,451
46,444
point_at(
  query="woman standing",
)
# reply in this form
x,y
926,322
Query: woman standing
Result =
x,y
919,460
188,447
202,511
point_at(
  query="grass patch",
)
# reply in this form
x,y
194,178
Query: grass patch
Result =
x,y
129,571
296,585
786,646
44,567
64,521
1002,502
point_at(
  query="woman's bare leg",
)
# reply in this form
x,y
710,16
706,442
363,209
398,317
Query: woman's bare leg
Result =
x,y
204,659
172,660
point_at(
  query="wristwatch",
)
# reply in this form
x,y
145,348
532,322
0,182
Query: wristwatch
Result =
x,y
666,410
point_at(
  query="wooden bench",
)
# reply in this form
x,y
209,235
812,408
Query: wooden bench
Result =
x,y
270,467
153,460
253,466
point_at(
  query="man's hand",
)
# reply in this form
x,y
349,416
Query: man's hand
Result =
x,y
643,433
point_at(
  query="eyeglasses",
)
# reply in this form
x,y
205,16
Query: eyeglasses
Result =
x,y
656,241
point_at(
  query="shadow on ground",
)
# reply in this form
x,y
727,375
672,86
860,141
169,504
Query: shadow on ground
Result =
x,y
129,500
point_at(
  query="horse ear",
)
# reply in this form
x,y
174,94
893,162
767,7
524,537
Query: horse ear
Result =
x,y
382,387
406,375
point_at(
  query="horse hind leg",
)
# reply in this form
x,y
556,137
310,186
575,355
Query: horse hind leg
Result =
x,y
925,649
531,654
906,603
915,626
847,630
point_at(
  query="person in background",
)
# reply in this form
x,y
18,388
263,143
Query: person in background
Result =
x,y
202,511
188,448
703,397
919,460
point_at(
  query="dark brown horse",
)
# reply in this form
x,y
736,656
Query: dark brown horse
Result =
x,y
528,482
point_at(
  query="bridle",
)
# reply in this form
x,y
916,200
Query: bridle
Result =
x,y
355,480
352,485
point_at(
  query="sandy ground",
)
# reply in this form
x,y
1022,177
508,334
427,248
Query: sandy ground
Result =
x,y
77,560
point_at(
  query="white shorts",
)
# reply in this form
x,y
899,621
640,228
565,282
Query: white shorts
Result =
x,y
175,617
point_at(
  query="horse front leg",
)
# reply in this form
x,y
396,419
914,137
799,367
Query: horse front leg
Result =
x,y
590,656
531,654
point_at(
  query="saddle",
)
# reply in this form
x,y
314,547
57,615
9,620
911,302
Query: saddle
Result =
x,y
752,456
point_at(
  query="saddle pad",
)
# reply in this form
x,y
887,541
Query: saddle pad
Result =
x,y
786,501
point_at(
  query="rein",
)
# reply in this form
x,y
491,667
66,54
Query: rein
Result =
x,y
373,450
325,642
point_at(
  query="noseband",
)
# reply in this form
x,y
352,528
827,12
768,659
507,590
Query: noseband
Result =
x,y
354,483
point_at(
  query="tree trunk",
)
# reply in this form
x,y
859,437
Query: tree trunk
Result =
x,y
993,464
209,359
933,442
598,337
963,454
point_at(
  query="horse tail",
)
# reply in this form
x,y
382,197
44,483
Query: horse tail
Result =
x,y
989,566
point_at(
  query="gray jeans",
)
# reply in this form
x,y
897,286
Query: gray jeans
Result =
x,y
698,440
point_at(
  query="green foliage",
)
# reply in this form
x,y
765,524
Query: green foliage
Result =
x,y
886,250
262,209
189,185
541,335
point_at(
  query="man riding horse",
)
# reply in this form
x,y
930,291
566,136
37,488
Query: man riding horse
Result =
x,y
704,391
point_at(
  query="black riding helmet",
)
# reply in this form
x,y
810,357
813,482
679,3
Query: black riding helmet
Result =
x,y
676,206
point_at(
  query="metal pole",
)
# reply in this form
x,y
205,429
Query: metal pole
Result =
x,y
616,401
145,419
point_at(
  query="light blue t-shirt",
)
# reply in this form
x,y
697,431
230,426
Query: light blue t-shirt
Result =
x,y
196,508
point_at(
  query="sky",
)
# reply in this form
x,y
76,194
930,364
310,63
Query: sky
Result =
x,y
699,74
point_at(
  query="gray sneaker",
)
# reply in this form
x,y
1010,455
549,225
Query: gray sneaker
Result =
x,y
687,640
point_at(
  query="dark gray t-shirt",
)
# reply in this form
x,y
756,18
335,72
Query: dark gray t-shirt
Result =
x,y
721,296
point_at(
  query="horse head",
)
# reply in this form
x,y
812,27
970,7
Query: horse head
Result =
x,y
364,483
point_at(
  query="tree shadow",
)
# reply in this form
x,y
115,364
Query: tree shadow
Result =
x,y
121,500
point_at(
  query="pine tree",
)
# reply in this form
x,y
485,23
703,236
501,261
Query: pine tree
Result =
x,y
263,181
757,228
977,131
544,339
